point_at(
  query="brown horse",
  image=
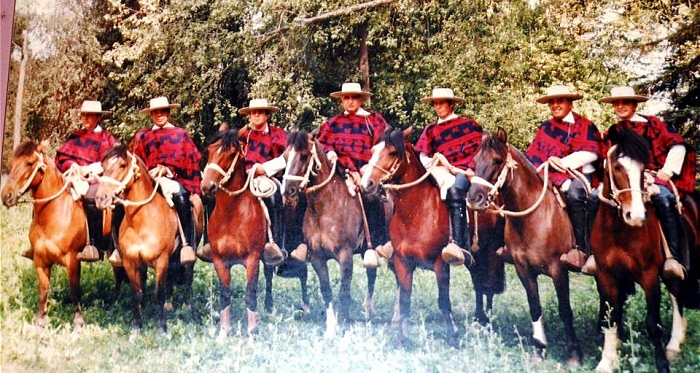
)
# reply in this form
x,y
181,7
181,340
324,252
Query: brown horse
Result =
x,y
237,228
536,234
333,224
58,229
633,254
419,229
148,233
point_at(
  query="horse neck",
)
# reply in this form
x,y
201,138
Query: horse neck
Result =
x,y
523,184
142,186
411,170
51,181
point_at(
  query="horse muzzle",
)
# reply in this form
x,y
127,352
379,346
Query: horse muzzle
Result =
x,y
477,200
104,202
9,198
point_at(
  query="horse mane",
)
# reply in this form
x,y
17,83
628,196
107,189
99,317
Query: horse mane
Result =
x,y
115,151
494,143
629,144
228,138
299,140
26,148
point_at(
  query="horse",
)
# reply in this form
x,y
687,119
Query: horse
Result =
x,y
333,222
148,233
238,228
419,229
58,230
536,234
634,253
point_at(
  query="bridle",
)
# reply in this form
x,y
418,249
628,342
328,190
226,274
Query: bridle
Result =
x,y
615,192
391,173
313,167
40,166
133,174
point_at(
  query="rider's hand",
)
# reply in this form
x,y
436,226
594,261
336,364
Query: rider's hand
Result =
x,y
663,176
259,170
470,173
332,156
557,163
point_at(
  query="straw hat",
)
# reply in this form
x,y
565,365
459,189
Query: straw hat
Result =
x,y
94,107
442,94
259,104
159,103
351,89
558,91
623,93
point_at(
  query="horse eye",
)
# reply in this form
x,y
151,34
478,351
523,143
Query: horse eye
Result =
x,y
497,161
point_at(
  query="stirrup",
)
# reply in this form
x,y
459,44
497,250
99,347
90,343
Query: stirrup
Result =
x,y
89,254
115,258
29,253
187,255
386,251
673,270
574,259
300,252
371,259
455,255
273,255
204,253
590,267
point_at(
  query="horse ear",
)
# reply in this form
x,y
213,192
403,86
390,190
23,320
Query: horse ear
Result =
x,y
314,134
502,135
407,132
43,144
243,132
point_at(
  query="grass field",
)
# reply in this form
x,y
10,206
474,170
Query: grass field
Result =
x,y
289,341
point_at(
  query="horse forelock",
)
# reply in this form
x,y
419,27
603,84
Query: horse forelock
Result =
x,y
396,139
298,140
117,151
229,139
25,148
631,145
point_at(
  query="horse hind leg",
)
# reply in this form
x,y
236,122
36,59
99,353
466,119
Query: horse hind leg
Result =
x,y
252,266
369,297
680,324
268,271
161,284
223,271
539,338
561,285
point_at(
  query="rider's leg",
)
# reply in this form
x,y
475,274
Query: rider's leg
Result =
x,y
457,206
204,252
591,211
275,255
576,197
94,216
672,226
374,211
183,206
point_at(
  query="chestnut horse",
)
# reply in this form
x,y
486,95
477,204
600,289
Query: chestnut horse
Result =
x,y
634,254
148,235
58,230
419,229
238,228
333,222
536,234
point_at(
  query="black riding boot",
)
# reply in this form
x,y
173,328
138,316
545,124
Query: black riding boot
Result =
x,y
117,217
672,227
576,208
454,252
274,255
204,252
91,252
186,216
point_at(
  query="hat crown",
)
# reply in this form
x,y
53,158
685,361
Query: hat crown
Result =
x,y
91,107
258,103
351,88
558,90
158,102
622,91
446,93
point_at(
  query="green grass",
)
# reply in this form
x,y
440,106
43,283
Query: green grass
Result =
x,y
288,341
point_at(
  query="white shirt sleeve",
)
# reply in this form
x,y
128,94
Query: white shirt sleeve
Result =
x,y
426,160
274,165
674,160
579,159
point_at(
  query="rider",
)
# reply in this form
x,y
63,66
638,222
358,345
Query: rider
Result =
x,y
84,148
574,143
264,144
348,138
169,149
457,139
672,160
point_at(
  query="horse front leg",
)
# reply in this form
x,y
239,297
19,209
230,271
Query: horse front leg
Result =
x,y
73,270
188,270
252,266
268,271
442,275
652,290
610,316
369,298
680,325
345,260
223,271
303,284
161,269
133,271
321,268
43,274
404,278
561,286
529,282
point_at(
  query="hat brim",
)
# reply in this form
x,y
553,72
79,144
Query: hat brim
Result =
x,y
427,100
571,96
150,109
340,94
611,99
106,112
247,110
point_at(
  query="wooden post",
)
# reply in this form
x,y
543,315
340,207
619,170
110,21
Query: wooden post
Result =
x,y
17,134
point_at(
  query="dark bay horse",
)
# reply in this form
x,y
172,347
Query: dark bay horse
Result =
x,y
238,228
536,234
148,234
419,229
333,224
58,229
634,254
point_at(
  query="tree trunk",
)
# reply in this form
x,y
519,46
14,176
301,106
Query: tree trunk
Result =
x,y
363,57
17,134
